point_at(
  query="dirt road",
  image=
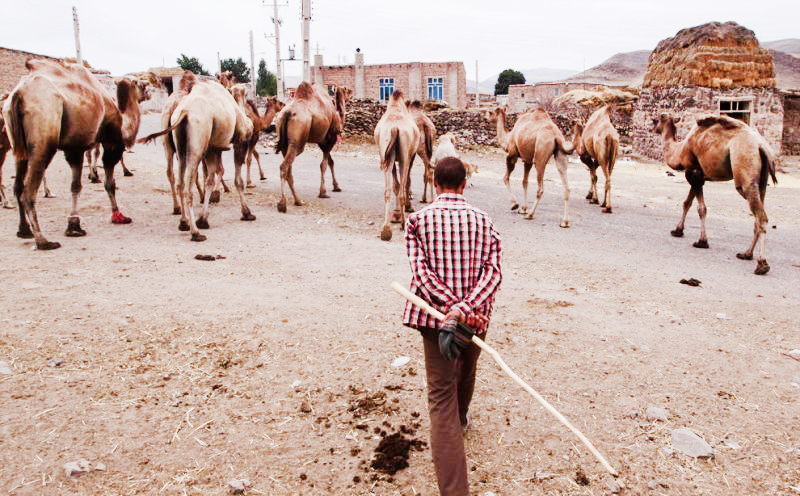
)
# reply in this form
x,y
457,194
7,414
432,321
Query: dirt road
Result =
x,y
274,364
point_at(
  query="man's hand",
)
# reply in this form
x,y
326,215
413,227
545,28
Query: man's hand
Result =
x,y
453,338
476,322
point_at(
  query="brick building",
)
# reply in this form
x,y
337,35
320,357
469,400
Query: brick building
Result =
x,y
12,67
523,97
432,81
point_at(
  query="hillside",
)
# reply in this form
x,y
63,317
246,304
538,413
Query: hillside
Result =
x,y
790,46
623,69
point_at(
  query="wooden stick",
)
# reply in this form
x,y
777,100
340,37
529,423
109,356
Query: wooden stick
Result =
x,y
405,293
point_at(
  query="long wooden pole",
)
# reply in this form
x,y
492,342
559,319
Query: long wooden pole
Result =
x,y
405,293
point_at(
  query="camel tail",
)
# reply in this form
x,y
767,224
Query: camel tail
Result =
x,y
612,150
390,152
150,138
181,138
283,133
566,147
767,166
16,129
429,137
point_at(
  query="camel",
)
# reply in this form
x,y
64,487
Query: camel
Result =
x,y
226,79
5,146
535,138
311,117
597,145
397,137
427,135
721,149
260,124
135,93
204,124
60,106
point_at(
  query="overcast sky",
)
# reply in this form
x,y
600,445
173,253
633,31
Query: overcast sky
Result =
x,y
124,36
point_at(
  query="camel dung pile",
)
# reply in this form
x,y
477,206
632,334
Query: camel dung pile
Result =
x,y
595,98
713,55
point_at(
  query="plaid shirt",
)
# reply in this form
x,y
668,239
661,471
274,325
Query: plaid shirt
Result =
x,y
455,255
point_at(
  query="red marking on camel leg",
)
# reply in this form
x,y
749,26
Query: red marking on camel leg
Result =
x,y
118,218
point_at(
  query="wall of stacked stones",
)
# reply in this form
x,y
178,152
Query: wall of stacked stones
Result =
x,y
791,124
689,102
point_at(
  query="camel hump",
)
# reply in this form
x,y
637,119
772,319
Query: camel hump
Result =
x,y
304,91
724,122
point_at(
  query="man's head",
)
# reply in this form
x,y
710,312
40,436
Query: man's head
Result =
x,y
450,176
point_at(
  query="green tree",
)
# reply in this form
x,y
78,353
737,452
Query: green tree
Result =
x,y
266,84
239,69
192,64
506,78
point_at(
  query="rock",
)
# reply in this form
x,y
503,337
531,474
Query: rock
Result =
x,y
305,407
76,469
730,443
655,413
5,369
400,361
613,487
99,466
691,444
296,385
55,362
667,451
794,354
236,486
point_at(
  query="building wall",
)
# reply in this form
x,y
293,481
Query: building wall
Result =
x,y
767,114
410,78
523,97
791,124
12,67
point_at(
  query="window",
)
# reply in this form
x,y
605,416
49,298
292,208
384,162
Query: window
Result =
x,y
386,88
435,88
736,108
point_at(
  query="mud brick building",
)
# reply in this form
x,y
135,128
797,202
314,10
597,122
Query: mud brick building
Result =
x,y
523,97
431,81
12,67
717,69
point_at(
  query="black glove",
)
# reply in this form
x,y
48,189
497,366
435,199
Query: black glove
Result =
x,y
453,338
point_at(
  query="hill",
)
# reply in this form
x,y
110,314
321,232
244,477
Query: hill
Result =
x,y
623,69
790,46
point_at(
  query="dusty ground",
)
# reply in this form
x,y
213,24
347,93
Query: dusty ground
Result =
x,y
274,364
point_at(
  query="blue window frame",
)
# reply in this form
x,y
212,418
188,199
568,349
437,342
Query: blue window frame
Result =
x,y
386,88
435,88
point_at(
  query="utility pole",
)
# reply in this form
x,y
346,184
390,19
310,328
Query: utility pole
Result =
x,y
252,66
78,57
306,50
278,72
477,87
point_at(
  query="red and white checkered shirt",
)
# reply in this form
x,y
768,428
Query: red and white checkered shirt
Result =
x,y
455,256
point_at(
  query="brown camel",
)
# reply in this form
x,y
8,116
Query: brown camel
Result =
x,y
397,137
260,124
311,117
133,91
5,146
204,124
597,145
427,135
60,106
721,149
534,139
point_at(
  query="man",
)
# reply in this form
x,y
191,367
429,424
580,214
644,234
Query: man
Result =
x,y
455,255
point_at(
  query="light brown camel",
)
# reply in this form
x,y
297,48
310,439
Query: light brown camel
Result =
x,y
133,91
260,124
427,135
721,149
60,107
397,137
206,122
226,79
5,146
311,117
597,144
534,139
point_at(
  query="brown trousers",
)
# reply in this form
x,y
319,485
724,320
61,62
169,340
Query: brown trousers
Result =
x,y
450,387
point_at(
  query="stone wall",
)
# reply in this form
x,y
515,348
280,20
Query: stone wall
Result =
x,y
688,102
12,67
791,124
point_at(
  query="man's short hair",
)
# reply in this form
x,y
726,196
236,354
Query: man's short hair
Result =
x,y
450,173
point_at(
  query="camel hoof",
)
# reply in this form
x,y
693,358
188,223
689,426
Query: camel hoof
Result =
x,y
176,210
515,206
528,217
678,233
94,179
298,203
564,225
409,208
595,201
52,245
251,185
201,223
248,216
589,196
118,218
214,197
700,244
127,173
424,200
337,189
262,178
25,233
386,234
396,217
198,237
183,226
744,256
49,195
282,208
74,229
607,210
323,195
761,268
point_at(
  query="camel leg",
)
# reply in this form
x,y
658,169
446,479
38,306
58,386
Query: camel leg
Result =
x,y
125,171
322,167
753,197
189,170
249,161
215,191
261,176
288,180
397,214
427,180
561,164
407,189
93,155
3,198
336,188
75,161
593,196
47,193
526,171
687,204
169,152
213,166
26,186
539,191
607,168
696,179
238,158
511,161
386,231
111,155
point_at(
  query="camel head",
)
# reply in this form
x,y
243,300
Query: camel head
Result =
x,y
577,135
187,81
227,79
239,92
665,125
